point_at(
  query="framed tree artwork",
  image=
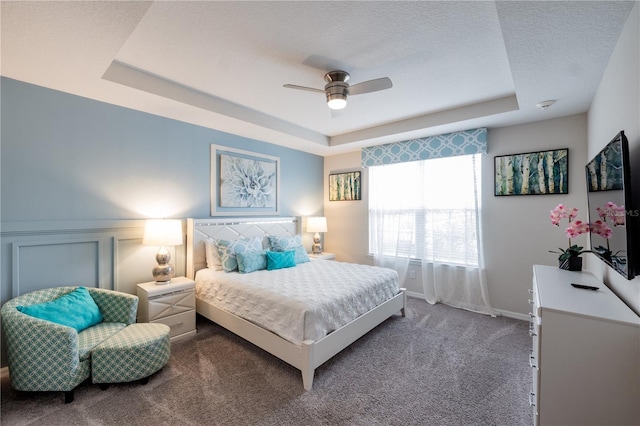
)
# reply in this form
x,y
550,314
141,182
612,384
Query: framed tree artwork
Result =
x,y
532,173
345,186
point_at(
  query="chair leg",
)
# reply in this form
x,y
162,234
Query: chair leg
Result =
x,y
104,386
144,380
68,397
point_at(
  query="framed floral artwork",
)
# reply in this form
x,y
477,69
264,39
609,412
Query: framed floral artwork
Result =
x,y
244,182
532,173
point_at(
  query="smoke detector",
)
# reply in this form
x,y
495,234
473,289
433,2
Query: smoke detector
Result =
x,y
545,104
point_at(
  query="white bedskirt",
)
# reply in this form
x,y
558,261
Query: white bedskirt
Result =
x,y
305,302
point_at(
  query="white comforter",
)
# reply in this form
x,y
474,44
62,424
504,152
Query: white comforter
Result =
x,y
305,302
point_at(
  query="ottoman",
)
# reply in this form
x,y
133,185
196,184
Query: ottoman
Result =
x,y
133,353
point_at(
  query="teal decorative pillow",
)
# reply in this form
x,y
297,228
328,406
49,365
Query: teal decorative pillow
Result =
x,y
290,243
280,259
228,250
301,255
251,261
76,309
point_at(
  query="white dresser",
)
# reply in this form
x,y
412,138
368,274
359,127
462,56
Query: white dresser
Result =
x,y
586,352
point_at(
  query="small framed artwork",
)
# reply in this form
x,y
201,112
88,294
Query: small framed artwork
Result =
x,y
532,173
345,186
243,182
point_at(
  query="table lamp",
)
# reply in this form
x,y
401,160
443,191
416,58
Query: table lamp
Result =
x,y
316,224
163,232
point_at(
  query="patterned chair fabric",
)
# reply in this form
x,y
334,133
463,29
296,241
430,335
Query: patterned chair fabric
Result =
x,y
44,356
132,354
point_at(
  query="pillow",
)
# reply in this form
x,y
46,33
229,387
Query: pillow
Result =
x,y
280,259
76,309
228,249
290,243
213,258
251,261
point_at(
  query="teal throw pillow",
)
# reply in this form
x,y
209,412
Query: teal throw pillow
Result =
x,y
290,243
301,255
251,261
76,309
280,259
228,250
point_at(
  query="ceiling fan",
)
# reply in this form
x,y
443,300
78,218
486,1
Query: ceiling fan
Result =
x,y
337,87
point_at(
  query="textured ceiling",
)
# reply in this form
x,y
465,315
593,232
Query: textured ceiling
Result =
x,y
454,65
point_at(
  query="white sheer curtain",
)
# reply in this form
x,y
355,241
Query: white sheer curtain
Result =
x,y
391,229
430,210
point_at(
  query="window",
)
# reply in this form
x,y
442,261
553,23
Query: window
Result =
x,y
426,209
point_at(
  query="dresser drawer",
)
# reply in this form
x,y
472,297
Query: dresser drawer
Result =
x,y
534,355
171,304
179,323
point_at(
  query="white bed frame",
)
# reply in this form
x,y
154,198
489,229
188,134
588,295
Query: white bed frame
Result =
x,y
311,354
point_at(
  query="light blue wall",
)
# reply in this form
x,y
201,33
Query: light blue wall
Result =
x,y
79,176
70,158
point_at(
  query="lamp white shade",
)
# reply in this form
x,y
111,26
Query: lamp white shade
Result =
x,y
162,232
317,224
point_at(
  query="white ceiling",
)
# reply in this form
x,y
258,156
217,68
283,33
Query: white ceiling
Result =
x,y
454,65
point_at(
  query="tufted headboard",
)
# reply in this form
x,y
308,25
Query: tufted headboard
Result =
x,y
199,230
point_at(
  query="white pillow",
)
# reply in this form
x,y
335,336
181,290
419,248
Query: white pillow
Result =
x,y
212,255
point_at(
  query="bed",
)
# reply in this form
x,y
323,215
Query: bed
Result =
x,y
298,338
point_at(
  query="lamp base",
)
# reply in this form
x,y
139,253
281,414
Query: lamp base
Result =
x,y
316,248
162,274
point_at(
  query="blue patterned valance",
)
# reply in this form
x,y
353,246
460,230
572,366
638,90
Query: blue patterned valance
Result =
x,y
448,145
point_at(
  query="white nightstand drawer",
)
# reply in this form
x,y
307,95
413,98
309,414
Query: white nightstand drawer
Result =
x,y
180,323
171,304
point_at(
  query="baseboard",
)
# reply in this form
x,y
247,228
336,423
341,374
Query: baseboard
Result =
x,y
514,315
508,314
415,294
4,372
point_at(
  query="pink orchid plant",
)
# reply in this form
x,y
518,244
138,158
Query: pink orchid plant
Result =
x,y
616,215
575,228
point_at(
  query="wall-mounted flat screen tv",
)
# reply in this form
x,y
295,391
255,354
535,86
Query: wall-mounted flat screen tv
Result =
x,y
609,197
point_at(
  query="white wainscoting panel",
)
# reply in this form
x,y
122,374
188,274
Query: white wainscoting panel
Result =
x,y
56,262
104,254
133,263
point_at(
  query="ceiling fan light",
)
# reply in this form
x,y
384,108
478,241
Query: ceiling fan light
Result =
x,y
336,92
337,102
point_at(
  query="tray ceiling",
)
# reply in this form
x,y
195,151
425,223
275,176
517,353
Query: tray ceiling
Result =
x,y
454,65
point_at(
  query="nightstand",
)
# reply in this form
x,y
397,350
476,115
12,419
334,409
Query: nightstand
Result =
x,y
173,304
323,255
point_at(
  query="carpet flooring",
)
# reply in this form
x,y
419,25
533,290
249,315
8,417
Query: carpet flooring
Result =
x,y
436,366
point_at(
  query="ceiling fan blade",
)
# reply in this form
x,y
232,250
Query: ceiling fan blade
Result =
x,y
335,113
371,86
308,89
